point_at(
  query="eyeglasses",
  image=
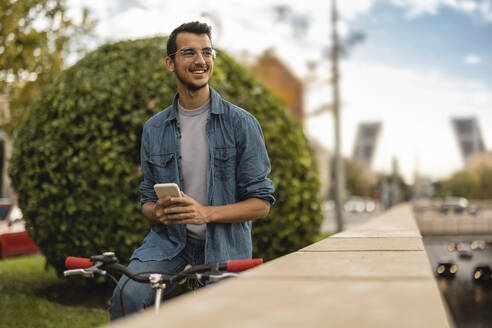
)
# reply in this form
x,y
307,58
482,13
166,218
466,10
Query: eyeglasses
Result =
x,y
189,53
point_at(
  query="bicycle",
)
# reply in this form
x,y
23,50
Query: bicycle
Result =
x,y
101,264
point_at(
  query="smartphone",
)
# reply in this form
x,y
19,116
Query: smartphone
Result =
x,y
167,189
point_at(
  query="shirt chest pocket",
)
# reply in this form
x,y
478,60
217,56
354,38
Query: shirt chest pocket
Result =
x,y
225,163
163,167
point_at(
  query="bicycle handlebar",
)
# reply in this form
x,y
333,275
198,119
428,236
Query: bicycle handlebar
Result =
x,y
72,262
98,264
242,265
95,264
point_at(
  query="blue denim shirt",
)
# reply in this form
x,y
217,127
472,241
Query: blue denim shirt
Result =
x,y
239,167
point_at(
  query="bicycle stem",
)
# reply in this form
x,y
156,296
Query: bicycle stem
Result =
x,y
156,281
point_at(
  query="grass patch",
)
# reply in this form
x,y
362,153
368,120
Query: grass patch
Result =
x,y
322,236
31,296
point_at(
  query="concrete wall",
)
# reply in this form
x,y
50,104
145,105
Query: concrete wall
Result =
x,y
374,275
432,221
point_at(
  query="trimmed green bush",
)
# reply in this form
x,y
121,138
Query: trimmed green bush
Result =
x,y
76,157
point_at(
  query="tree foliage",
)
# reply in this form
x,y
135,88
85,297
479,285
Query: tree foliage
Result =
x,y
357,180
76,158
476,184
35,38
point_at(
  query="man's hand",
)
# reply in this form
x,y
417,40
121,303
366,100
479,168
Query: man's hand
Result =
x,y
186,210
181,210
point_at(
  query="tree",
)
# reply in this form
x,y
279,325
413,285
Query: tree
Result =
x,y
473,184
35,37
76,159
358,181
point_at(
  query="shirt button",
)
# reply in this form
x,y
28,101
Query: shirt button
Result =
x,y
182,180
170,258
179,157
179,136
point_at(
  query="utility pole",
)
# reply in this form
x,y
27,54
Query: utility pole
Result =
x,y
339,174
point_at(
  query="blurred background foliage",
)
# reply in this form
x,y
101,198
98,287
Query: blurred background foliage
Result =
x,y
362,182
471,184
76,157
35,38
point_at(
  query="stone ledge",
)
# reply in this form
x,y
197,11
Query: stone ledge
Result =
x,y
366,244
354,264
374,275
245,303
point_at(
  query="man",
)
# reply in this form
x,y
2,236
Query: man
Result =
x,y
215,152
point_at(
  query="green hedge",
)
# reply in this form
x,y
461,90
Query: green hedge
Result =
x,y
75,163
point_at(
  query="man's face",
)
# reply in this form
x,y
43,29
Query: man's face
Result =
x,y
192,71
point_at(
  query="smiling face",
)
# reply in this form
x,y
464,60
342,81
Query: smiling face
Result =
x,y
192,72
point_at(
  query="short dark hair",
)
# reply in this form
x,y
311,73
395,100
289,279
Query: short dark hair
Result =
x,y
191,27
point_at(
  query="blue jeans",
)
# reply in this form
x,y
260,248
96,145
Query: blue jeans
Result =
x,y
137,296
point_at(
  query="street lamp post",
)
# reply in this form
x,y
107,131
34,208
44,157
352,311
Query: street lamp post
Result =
x,y
338,165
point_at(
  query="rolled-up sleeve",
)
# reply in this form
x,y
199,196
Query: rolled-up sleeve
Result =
x,y
147,185
253,164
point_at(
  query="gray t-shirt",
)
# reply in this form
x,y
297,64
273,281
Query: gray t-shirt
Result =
x,y
195,158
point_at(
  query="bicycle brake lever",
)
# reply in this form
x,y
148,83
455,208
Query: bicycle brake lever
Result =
x,y
73,272
220,276
90,273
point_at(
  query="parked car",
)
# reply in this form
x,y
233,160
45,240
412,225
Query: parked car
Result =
x,y
356,204
371,205
446,270
14,240
482,275
456,204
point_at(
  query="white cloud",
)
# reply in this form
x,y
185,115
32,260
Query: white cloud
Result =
x,y
419,7
472,59
99,8
351,9
415,108
468,6
486,10
416,8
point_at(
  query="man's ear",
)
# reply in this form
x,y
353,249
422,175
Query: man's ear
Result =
x,y
169,64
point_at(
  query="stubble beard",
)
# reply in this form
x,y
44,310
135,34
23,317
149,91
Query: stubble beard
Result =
x,y
189,85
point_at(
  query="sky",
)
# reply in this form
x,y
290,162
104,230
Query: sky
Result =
x,y
419,64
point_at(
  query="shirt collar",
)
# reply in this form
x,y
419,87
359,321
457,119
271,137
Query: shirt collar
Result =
x,y
215,104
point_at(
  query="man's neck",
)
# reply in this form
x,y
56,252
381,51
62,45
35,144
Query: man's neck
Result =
x,y
193,99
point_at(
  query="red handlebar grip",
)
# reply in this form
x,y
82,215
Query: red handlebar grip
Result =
x,y
78,263
241,265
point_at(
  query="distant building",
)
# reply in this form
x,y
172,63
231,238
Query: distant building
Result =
x,y
365,143
281,81
270,70
469,138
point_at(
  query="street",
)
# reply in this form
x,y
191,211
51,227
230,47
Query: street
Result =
x,y
470,304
